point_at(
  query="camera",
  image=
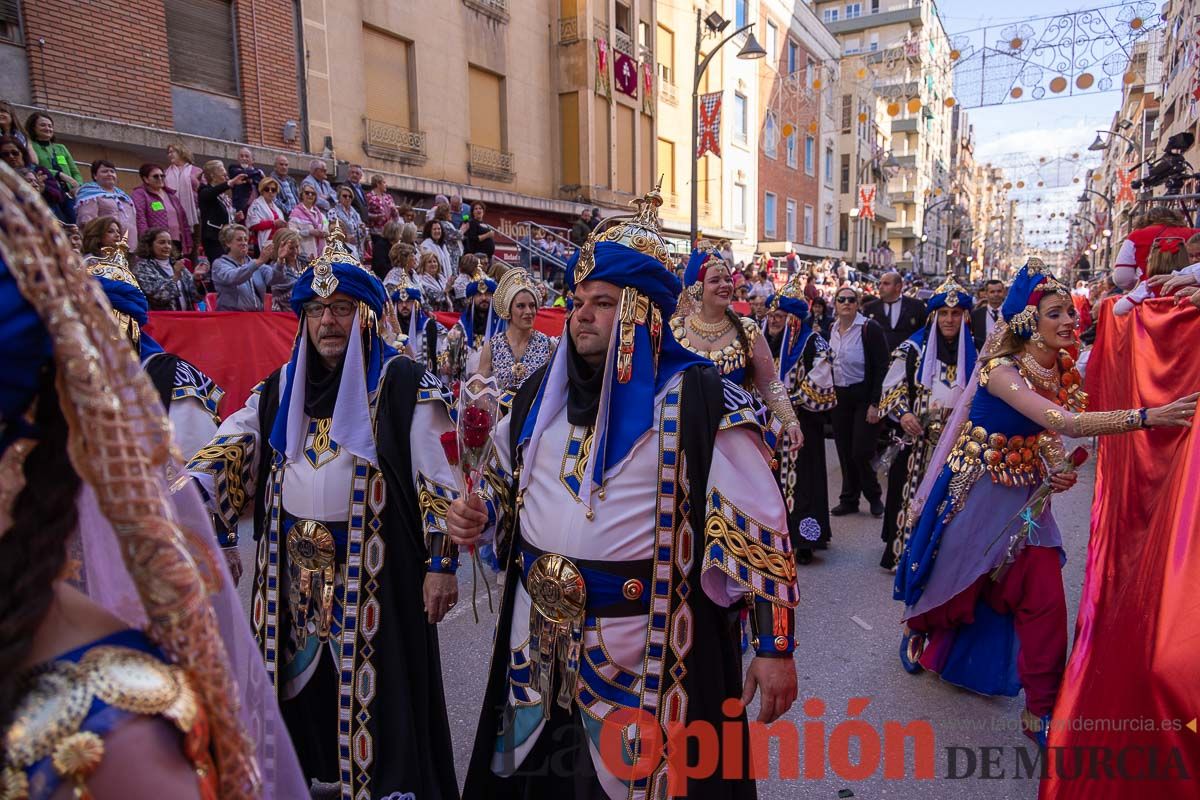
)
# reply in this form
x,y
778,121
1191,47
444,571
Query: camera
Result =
x,y
1172,169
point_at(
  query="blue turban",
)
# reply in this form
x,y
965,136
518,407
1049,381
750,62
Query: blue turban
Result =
x,y
26,349
1020,306
631,403
794,339
127,299
692,273
950,295
352,280
406,293
481,285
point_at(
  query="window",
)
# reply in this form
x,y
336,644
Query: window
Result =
x,y
770,212
771,136
845,179
790,221
874,6
847,110
793,57
810,155
790,144
666,55
810,72
853,10
486,93
666,165
622,19
739,206
874,43
386,64
830,15
808,224
741,118
829,166
772,43
200,44
827,234
10,22
853,45
741,13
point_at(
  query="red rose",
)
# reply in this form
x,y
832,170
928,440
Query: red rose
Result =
x,y
1078,456
449,441
476,427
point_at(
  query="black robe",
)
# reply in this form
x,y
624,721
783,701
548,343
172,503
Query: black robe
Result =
x,y
713,667
407,725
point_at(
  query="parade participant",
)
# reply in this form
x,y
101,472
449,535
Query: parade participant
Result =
x,y
1129,266
899,315
518,351
189,396
426,337
597,443
926,377
980,574
714,332
1168,256
804,363
477,324
127,690
337,457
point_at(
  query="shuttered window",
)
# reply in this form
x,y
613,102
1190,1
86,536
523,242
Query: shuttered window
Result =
x,y
486,108
200,42
10,21
386,65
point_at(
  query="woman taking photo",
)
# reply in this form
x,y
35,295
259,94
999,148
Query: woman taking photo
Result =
x,y
518,351
981,574
101,197
860,361
264,219
99,235
308,221
734,344
157,206
290,264
216,207
165,280
242,281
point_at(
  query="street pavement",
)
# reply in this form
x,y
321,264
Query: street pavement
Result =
x,y
848,633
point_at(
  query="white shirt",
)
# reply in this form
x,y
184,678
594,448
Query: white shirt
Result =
x,y
849,358
992,317
893,312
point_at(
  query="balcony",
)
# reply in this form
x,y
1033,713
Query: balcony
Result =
x,y
898,196
910,15
568,30
496,9
909,161
667,92
900,231
904,125
484,162
885,212
393,142
623,42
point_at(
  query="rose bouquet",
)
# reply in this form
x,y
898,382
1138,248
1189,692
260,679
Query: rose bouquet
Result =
x,y
478,412
1031,512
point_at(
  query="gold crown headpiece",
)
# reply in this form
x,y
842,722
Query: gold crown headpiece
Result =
x,y
114,265
641,232
336,251
514,282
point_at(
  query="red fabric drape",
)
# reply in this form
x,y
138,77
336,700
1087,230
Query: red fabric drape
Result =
x,y
1137,638
237,349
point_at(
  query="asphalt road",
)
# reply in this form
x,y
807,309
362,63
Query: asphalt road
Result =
x,y
847,641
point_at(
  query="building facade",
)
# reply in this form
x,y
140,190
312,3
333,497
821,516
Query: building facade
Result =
x,y
209,73
898,50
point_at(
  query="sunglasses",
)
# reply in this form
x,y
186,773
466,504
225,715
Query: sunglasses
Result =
x,y
158,176
270,189
847,300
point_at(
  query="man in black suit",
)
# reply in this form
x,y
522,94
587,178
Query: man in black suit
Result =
x,y
899,316
986,317
354,181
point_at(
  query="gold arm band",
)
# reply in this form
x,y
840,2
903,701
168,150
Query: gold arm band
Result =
x,y
780,404
1097,423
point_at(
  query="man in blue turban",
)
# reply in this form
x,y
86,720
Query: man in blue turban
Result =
x,y
629,516
425,336
927,375
337,457
190,397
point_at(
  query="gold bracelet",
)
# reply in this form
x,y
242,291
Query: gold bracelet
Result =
x,y
1100,423
781,407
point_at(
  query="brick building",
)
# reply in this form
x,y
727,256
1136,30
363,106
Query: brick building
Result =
x,y
797,151
124,78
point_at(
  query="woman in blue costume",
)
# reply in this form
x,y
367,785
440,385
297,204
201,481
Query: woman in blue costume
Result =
x,y
804,364
998,635
734,344
146,685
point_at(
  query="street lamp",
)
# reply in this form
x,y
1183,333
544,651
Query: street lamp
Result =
x,y
751,50
1100,145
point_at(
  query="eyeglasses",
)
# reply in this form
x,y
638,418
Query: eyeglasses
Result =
x,y
270,189
340,308
847,300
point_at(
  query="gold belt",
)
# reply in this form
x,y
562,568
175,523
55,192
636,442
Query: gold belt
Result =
x,y
559,596
311,548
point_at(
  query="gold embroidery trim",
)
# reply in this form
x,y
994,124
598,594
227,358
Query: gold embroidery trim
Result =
x,y
781,566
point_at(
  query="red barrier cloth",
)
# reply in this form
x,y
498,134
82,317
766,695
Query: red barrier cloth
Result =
x,y
237,349
1137,638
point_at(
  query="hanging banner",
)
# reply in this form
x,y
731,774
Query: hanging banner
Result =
x,y
626,74
647,88
603,84
710,124
1125,185
866,201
